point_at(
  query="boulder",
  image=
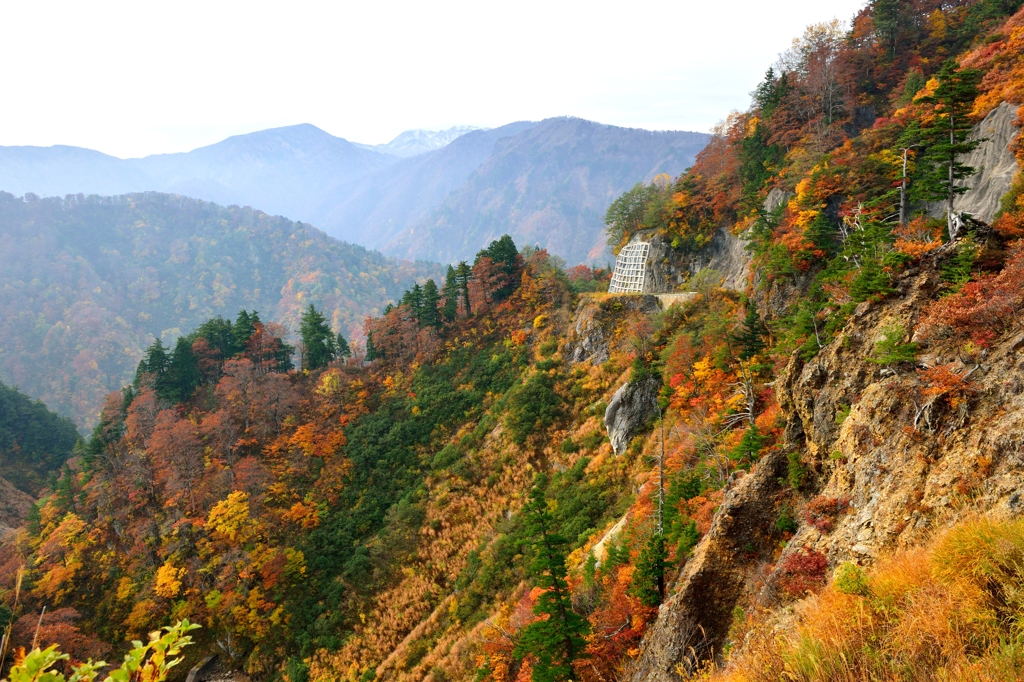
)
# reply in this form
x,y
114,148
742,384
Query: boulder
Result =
x,y
632,406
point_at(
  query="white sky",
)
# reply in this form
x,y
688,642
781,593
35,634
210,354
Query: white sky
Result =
x,y
136,78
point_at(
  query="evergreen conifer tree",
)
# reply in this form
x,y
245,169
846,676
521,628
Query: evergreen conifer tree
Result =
x,y
318,340
463,274
749,447
243,329
648,584
219,333
503,253
154,362
429,314
558,638
182,376
344,350
371,352
945,141
822,235
450,294
751,333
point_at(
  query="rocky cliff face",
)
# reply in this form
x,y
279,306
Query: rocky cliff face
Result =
x,y
994,162
726,254
694,621
592,329
668,268
904,467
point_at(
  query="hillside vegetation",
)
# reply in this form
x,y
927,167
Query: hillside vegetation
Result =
x,y
526,479
34,442
88,282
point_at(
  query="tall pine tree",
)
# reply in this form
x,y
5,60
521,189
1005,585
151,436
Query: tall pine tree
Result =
x,y
182,376
944,139
318,343
344,350
243,329
429,314
750,335
557,639
648,584
463,274
450,294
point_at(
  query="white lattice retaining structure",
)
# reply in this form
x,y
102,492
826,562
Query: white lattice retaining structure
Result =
x,y
630,269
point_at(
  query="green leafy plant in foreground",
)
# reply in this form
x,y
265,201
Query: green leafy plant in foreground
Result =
x,y
144,663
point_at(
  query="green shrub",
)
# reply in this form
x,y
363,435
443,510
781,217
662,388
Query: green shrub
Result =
x,y
796,471
532,406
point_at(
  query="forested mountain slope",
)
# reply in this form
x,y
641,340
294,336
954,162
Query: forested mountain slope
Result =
x,y
34,442
88,282
818,478
548,185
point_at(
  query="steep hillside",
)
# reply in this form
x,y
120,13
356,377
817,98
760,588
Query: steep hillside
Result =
x,y
549,185
815,478
34,442
88,282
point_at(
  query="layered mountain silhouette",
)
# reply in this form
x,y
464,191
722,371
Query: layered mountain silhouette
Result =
x,y
545,183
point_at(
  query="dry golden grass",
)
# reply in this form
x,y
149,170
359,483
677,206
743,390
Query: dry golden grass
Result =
x,y
952,611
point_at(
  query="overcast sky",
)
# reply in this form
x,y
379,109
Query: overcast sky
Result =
x,y
138,78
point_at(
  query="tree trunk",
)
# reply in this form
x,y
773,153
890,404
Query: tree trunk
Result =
x,y
952,225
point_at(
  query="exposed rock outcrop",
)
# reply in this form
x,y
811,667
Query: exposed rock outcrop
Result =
x,y
728,255
902,479
667,268
994,161
594,321
694,621
995,165
632,406
776,198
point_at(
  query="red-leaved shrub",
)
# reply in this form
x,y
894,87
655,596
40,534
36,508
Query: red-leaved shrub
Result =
x,y
803,571
982,309
821,512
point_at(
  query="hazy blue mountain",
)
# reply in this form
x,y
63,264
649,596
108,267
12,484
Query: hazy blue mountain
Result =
x,y
547,182
277,170
60,170
413,142
280,171
378,207
547,185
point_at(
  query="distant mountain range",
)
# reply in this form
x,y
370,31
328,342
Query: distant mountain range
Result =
x,y
424,195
